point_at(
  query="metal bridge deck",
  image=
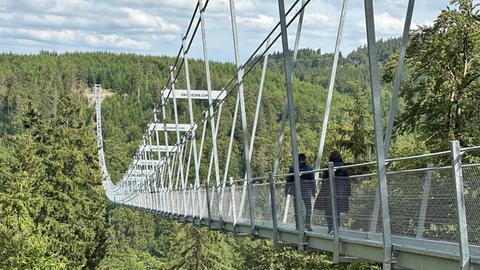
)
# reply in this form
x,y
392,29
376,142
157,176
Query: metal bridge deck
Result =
x,y
410,252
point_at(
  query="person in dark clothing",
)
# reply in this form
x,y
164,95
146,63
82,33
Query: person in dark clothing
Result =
x,y
343,191
308,189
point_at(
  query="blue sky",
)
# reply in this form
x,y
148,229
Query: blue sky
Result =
x,y
155,26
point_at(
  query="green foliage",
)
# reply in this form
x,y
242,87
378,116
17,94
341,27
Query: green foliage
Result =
x,y
262,255
198,248
136,240
51,198
442,92
20,246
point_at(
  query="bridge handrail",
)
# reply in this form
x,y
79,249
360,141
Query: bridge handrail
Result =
x,y
363,164
470,149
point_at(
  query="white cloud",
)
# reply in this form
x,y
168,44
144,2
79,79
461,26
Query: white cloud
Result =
x,y
37,5
223,6
41,20
115,41
49,36
135,18
319,20
154,26
386,23
74,7
258,22
181,4
73,38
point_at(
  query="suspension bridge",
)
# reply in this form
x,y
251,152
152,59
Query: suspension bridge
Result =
x,y
417,218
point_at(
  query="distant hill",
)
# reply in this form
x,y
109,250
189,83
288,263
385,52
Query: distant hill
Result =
x,y
315,67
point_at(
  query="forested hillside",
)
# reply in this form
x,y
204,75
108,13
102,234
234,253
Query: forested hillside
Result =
x,y
54,214
125,239
134,240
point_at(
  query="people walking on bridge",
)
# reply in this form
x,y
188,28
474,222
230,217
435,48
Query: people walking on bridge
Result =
x,y
343,191
308,189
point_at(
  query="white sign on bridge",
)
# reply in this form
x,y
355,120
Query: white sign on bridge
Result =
x,y
146,162
169,127
137,172
158,148
133,178
196,94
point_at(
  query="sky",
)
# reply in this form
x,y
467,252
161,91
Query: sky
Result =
x,y
154,27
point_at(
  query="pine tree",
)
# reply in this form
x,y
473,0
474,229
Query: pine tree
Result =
x,y
60,203
196,248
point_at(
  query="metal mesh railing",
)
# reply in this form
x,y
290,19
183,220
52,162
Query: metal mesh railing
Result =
x,y
225,199
355,210
241,203
441,221
318,214
213,194
362,207
284,202
188,202
422,204
263,205
203,212
471,180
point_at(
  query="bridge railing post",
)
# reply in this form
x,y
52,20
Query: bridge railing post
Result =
x,y
273,201
148,196
200,204
196,203
155,199
221,210
190,201
233,205
252,200
143,198
166,192
334,213
172,202
460,202
209,212
165,201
